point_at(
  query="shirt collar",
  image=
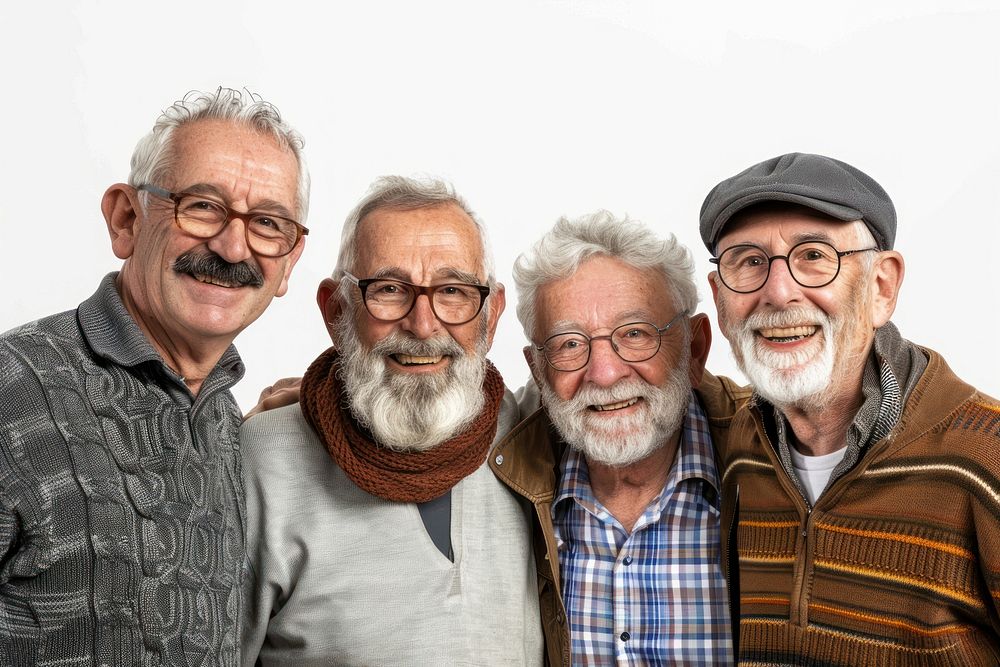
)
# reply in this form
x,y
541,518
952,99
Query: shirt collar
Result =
x,y
695,460
112,334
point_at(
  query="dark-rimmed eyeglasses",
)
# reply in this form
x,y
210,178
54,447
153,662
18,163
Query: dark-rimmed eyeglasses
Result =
x,y
391,300
268,235
745,268
633,342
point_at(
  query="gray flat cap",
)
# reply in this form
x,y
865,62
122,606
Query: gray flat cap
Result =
x,y
821,183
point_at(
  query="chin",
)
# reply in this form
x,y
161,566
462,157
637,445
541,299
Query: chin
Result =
x,y
211,328
801,387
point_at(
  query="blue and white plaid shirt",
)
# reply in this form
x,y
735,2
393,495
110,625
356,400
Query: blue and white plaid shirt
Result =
x,y
657,595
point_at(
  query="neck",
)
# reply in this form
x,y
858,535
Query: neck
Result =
x,y
820,426
626,491
192,363
823,431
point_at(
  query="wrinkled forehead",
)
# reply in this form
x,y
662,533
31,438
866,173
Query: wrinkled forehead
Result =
x,y
420,245
772,223
233,160
602,293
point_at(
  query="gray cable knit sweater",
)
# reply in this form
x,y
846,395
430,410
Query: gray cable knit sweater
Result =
x,y
121,508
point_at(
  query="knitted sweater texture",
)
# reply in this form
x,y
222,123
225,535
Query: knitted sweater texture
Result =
x,y
898,562
121,532
342,577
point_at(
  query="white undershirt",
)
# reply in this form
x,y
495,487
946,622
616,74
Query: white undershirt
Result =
x,y
814,471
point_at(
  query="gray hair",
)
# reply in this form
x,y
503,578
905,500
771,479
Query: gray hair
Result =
x,y
406,194
153,157
560,252
865,239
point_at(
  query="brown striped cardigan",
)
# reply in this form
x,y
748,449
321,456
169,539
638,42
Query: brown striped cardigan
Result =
x,y
898,563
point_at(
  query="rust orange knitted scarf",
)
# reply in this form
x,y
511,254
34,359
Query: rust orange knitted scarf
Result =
x,y
409,477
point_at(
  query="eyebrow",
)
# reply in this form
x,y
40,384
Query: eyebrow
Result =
x,y
621,319
813,236
458,275
447,273
267,205
802,237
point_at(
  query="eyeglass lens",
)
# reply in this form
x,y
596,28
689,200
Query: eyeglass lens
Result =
x,y
266,234
637,341
454,303
745,268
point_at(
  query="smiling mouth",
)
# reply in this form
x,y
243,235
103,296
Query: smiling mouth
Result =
x,y
788,334
610,407
410,360
212,280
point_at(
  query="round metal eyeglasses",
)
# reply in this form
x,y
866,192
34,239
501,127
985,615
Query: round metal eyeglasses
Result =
x,y
391,300
633,342
268,235
745,268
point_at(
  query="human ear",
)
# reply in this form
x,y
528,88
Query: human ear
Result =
x,y
329,302
701,343
529,356
120,206
713,282
886,279
498,301
290,260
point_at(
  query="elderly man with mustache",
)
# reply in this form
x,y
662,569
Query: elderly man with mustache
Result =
x,y
868,474
377,533
121,504
619,463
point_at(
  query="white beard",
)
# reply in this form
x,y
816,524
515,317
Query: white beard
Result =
x,y
410,413
785,379
620,441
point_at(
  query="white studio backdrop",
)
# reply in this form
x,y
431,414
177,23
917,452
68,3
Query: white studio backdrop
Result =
x,y
533,110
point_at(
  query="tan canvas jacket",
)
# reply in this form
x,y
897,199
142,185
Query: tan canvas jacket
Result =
x,y
527,461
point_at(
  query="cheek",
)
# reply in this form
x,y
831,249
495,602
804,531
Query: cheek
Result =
x,y
466,335
656,371
163,247
733,310
725,315
273,270
565,385
372,331
152,254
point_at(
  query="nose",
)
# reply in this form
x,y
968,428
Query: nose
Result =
x,y
231,243
780,288
605,367
421,320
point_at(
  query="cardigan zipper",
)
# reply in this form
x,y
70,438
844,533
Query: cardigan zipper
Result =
x,y
798,602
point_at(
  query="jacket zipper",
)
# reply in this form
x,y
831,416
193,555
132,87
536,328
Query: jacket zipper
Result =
x,y
733,580
798,603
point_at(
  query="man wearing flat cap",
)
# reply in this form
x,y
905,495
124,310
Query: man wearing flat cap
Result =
x,y
868,474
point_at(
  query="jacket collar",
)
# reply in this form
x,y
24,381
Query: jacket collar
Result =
x,y
527,458
532,469
112,334
932,403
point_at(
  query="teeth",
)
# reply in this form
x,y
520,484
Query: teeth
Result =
x,y
210,281
615,406
789,332
408,360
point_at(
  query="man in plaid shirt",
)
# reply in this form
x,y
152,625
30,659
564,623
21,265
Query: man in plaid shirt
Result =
x,y
628,516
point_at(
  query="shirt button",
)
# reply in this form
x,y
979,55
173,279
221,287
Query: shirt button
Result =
x,y
627,560
499,459
625,636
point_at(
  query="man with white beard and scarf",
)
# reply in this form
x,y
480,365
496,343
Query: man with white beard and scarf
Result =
x,y
619,463
377,534
868,474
